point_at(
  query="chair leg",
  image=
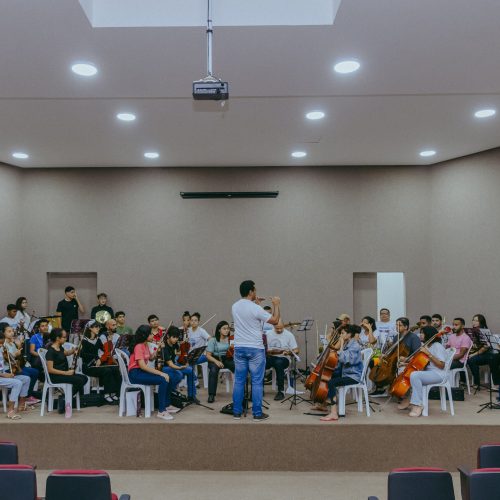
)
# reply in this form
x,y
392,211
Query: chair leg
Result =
x,y
273,379
425,400
123,401
77,401
442,397
359,398
44,400
367,401
467,380
204,372
50,406
450,396
147,404
341,400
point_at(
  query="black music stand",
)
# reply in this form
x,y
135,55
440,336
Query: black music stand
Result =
x,y
295,399
306,326
490,404
193,356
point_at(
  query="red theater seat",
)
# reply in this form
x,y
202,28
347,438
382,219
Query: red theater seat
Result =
x,y
8,453
480,484
80,485
488,455
420,483
17,482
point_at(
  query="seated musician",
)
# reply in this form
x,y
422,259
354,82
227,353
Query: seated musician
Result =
x,y
98,362
57,366
433,373
140,372
424,320
174,370
351,369
10,318
370,336
461,342
480,353
16,350
280,344
37,342
110,335
17,383
216,354
121,327
197,336
156,329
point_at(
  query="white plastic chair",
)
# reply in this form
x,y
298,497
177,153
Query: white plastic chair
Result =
x,y
228,377
5,395
49,386
454,374
444,386
360,388
123,360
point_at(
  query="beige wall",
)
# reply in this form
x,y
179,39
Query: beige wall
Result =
x,y
465,236
11,247
155,252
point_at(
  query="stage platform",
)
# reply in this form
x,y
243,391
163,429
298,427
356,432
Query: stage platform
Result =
x,y
200,439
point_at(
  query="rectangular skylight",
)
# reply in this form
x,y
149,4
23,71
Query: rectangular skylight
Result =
x,y
143,13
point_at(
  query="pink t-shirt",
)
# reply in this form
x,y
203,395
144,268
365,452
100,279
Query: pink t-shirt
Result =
x,y
459,341
141,351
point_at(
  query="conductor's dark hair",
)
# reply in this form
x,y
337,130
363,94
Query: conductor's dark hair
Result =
x,y
246,287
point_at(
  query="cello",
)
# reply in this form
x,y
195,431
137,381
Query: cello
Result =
x,y
416,362
384,371
317,381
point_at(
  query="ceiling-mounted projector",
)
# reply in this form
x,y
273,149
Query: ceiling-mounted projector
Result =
x,y
210,88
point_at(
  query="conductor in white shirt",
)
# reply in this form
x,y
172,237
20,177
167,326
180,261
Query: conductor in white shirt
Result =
x,y
249,352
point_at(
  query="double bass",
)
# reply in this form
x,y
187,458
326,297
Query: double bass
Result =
x,y
416,362
317,381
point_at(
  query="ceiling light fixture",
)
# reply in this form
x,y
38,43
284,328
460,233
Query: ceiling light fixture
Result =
x,y
151,155
299,154
315,115
20,156
429,152
126,117
344,67
84,69
485,113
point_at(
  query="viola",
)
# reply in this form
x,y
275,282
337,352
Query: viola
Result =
x,y
184,349
230,351
10,361
418,361
109,351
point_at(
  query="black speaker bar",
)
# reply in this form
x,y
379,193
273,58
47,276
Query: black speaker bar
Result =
x,y
208,195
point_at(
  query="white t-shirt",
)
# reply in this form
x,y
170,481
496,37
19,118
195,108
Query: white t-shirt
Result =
x,y
199,338
438,351
248,324
10,321
23,316
285,340
386,330
364,340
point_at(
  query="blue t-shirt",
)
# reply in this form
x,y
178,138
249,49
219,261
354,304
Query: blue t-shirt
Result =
x,y
37,341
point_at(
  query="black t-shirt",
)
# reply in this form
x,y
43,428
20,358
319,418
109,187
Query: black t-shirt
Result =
x,y
98,308
169,352
412,341
58,357
69,312
90,351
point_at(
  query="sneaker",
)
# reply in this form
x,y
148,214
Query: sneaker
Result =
x,y
237,416
260,418
165,415
279,396
108,399
379,393
173,409
68,411
115,397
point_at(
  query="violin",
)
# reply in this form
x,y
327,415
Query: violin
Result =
x,y
184,349
230,351
8,358
418,361
317,381
109,352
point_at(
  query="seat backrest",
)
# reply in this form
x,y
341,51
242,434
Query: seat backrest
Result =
x,y
488,455
122,359
481,484
366,355
78,485
449,359
42,353
420,483
8,453
17,482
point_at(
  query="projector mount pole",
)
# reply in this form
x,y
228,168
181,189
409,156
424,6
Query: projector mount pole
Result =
x,y
210,35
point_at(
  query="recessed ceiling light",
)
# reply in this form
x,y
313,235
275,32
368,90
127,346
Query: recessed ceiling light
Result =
x,y
152,155
485,113
20,156
299,154
429,152
344,67
315,115
126,117
84,69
